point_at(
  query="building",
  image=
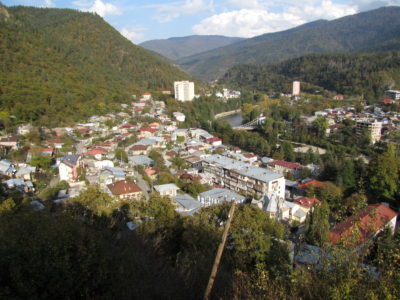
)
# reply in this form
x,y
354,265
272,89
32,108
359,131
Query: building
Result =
x,y
186,205
239,176
218,195
125,189
296,89
184,90
372,127
393,94
68,168
364,225
169,189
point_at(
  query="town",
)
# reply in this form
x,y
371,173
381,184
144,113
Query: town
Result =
x,y
141,151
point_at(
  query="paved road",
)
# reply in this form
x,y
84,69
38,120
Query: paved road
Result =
x,y
142,184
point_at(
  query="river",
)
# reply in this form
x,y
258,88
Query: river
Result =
x,y
233,120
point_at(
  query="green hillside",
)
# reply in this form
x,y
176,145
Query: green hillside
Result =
x,y
367,74
376,30
60,65
179,47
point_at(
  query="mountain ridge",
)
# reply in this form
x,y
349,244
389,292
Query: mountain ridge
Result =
x,y
348,34
179,47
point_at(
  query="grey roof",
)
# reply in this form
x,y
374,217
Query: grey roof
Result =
x,y
70,159
26,170
222,195
117,172
140,160
166,187
187,202
271,204
300,214
146,142
308,254
243,168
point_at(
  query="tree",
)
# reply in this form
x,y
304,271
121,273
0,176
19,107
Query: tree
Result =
x,y
320,125
121,155
317,225
383,176
41,161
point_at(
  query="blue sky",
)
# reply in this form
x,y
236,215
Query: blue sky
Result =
x,y
141,20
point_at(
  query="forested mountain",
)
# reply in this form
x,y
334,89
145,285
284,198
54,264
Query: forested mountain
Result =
x,y
367,74
179,47
60,65
376,30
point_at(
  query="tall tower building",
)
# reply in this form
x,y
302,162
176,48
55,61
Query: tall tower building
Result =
x,y
184,90
296,89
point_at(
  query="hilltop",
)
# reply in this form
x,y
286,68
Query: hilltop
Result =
x,y
376,30
60,65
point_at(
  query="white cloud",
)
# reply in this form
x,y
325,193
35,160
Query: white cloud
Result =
x,y
132,34
252,22
168,12
247,23
250,4
48,3
364,5
325,9
99,7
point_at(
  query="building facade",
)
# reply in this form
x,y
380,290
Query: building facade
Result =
x,y
372,127
393,94
243,177
184,90
296,88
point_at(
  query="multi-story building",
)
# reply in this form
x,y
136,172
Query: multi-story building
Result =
x,y
372,127
243,177
184,90
296,89
393,94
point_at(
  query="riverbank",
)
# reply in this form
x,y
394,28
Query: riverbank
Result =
x,y
227,113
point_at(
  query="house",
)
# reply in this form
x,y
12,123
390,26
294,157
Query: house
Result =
x,y
285,167
151,173
219,195
25,173
68,168
186,205
146,96
24,186
140,160
364,225
97,152
180,117
39,151
56,143
7,168
282,210
10,142
24,129
214,141
147,132
138,149
111,174
169,189
125,189
306,202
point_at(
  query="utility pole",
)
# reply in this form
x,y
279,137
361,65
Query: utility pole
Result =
x,y
219,253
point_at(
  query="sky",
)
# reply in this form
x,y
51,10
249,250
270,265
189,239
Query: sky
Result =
x,y
142,20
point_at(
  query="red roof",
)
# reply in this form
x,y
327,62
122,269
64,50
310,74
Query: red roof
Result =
x,y
152,130
42,150
369,221
95,151
249,155
139,148
285,164
387,101
126,126
147,94
314,183
171,153
213,140
123,187
10,139
307,202
150,171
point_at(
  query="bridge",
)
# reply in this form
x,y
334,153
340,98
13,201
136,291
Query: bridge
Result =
x,y
252,124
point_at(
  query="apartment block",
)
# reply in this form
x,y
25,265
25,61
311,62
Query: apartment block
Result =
x,y
184,90
372,127
243,177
